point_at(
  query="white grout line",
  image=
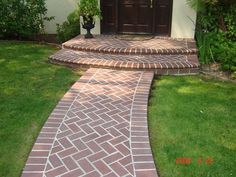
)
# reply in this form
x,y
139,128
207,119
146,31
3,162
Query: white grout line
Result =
x,y
67,113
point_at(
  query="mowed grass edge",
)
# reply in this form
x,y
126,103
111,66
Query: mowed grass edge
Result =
x,y
193,118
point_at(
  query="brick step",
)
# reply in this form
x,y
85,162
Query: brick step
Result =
x,y
133,51
112,45
161,64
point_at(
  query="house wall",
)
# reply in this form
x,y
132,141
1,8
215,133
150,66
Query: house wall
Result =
x,y
183,20
183,17
60,9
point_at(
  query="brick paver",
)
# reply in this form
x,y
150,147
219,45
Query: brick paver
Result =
x,y
99,128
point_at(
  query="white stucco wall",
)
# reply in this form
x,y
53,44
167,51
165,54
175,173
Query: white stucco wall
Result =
x,y
183,20
183,17
60,9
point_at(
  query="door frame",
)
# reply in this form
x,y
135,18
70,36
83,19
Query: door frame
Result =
x,y
154,32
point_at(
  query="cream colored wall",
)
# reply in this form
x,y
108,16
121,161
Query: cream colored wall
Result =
x,y
183,17
183,20
60,9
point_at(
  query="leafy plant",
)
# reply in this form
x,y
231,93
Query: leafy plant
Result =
x,y
204,43
69,28
230,22
216,31
22,18
89,9
200,5
225,52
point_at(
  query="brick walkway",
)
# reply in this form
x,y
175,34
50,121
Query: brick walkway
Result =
x,y
99,128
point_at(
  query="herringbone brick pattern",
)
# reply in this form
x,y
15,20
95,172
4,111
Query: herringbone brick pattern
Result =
x,y
99,128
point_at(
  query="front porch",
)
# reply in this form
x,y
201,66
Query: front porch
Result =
x,y
163,55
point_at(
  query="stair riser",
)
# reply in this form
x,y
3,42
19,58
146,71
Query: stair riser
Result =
x,y
131,51
170,71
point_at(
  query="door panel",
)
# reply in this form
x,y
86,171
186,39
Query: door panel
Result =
x,y
135,16
109,16
163,14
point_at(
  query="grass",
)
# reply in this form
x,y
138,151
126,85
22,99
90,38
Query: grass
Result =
x,y
30,87
193,117
189,117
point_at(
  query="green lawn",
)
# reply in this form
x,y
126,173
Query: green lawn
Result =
x,y
194,118
30,87
189,117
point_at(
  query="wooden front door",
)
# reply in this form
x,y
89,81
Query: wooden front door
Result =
x,y
136,16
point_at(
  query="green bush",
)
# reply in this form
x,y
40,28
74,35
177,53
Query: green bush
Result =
x,y
215,47
204,44
69,28
216,31
21,18
225,52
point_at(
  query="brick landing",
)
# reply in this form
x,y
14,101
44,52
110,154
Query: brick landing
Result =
x,y
99,128
113,44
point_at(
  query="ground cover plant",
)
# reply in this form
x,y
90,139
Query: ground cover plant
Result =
x,y
192,124
30,88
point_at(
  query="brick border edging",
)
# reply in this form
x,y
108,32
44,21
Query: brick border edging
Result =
x,y
39,153
144,165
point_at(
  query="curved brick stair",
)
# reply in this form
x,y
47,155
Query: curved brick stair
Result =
x,y
161,55
114,45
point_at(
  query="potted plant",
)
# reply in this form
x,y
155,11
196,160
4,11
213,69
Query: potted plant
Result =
x,y
89,10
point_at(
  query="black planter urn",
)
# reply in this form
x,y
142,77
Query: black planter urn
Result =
x,y
88,25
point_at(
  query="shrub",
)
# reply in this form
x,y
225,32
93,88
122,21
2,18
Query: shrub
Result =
x,y
225,52
216,31
204,44
69,28
22,18
215,47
